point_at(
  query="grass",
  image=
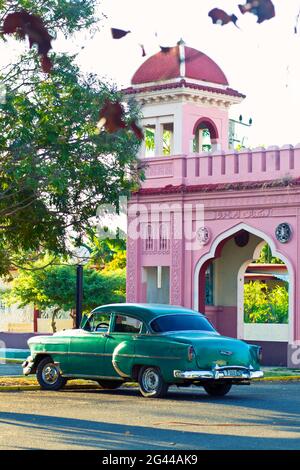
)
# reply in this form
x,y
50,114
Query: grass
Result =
x,y
31,383
282,372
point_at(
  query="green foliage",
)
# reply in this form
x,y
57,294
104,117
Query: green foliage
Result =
x,y
55,168
265,305
107,253
149,139
118,261
279,303
266,256
55,286
67,16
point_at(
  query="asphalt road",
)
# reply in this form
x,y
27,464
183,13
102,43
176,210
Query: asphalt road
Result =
x,y
262,416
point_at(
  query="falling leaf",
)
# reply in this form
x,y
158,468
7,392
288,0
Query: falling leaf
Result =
x,y
111,117
263,9
221,17
46,64
143,50
138,131
119,33
25,24
297,22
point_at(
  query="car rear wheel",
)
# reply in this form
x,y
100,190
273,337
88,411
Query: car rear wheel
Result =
x,y
109,384
49,376
217,389
151,382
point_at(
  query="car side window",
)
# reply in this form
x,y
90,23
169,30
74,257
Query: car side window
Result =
x,y
125,324
99,322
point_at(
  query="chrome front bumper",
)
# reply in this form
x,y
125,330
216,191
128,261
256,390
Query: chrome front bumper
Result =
x,y
227,372
28,366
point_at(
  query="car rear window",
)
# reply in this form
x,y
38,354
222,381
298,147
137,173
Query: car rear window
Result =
x,y
181,323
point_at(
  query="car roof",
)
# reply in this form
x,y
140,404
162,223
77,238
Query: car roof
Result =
x,y
146,311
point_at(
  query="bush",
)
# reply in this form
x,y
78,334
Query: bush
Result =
x,y
264,305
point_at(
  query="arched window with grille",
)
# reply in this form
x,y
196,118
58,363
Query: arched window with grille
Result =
x,y
149,242
163,237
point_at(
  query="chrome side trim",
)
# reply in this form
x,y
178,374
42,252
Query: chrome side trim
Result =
x,y
140,356
64,353
91,377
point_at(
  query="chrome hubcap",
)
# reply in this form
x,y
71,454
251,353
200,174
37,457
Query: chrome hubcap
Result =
x,y
150,380
50,374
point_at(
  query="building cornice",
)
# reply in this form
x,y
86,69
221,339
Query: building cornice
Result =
x,y
183,90
221,187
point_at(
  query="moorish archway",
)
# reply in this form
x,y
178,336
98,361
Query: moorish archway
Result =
x,y
213,254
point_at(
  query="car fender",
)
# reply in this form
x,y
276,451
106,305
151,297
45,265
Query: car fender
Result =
x,y
57,347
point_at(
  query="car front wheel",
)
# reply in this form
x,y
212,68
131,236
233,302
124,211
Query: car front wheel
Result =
x,y
217,389
49,376
151,382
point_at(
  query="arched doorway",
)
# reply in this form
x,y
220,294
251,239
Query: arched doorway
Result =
x,y
225,265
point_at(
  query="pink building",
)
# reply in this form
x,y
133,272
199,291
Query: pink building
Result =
x,y
200,219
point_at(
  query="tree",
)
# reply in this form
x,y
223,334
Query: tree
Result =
x,y
55,287
55,168
106,253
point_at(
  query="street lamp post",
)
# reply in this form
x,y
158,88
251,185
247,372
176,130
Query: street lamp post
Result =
x,y
79,294
81,256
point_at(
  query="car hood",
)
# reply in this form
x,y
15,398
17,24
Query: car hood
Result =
x,y
60,337
212,348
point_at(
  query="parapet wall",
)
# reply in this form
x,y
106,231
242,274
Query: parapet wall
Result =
x,y
273,163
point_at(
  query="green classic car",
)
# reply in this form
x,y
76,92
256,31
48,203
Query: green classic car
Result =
x,y
155,345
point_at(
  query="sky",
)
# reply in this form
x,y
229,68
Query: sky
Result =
x,y
261,61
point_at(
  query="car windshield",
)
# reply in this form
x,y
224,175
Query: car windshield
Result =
x,y
181,323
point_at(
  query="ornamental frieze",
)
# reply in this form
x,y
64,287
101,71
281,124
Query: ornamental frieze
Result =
x,y
238,214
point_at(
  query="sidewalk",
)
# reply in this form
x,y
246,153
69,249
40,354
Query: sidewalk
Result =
x,y
10,370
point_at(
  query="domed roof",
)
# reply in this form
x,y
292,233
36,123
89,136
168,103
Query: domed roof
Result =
x,y
179,62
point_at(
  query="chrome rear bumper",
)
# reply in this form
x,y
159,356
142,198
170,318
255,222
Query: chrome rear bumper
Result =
x,y
227,372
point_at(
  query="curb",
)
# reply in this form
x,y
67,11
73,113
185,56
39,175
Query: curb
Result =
x,y
280,378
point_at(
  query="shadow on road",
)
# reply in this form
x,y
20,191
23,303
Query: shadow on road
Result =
x,y
68,432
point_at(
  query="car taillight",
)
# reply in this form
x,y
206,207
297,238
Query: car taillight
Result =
x,y
260,354
191,353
